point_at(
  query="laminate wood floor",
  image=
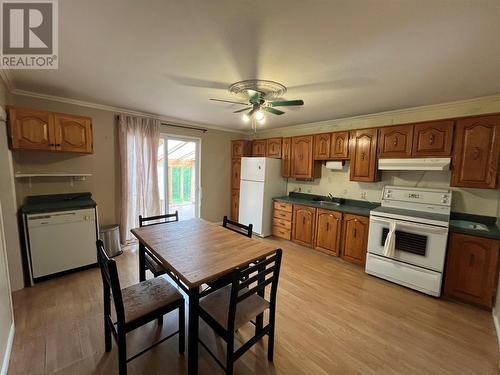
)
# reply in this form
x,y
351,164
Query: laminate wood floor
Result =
x,y
332,318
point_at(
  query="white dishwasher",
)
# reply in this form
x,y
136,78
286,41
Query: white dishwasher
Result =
x,y
60,241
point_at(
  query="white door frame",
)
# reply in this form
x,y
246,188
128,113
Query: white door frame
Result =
x,y
198,191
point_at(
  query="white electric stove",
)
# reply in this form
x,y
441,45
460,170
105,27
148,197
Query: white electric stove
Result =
x,y
408,236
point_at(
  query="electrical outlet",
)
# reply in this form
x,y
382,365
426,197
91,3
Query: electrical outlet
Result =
x,y
363,195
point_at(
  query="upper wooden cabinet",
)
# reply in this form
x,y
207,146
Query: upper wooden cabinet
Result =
x,y
240,148
395,141
339,145
328,230
304,222
259,147
433,138
73,133
476,154
322,146
273,148
355,238
302,165
286,157
363,155
472,269
31,129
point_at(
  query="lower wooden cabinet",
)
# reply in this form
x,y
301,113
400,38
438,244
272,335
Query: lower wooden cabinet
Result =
x,y
472,269
328,231
304,223
235,204
282,220
355,238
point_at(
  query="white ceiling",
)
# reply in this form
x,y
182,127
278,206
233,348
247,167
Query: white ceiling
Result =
x,y
343,58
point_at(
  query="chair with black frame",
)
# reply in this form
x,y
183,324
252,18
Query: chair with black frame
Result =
x,y
135,306
150,261
237,227
226,309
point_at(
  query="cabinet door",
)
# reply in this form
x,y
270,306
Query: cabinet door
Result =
x,y
240,148
302,157
235,173
235,204
363,155
395,141
322,146
31,130
339,145
433,138
273,148
259,147
477,149
303,225
472,269
355,238
73,133
328,230
285,157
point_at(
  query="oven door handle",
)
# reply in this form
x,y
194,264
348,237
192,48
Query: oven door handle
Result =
x,y
407,224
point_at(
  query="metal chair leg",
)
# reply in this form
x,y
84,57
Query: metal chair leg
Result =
x,y
182,328
122,353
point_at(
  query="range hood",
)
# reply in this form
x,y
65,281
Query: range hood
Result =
x,y
414,164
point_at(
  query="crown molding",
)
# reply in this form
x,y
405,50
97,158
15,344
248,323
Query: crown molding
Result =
x,y
120,110
393,113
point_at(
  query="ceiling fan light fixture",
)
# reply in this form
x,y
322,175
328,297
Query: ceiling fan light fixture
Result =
x,y
245,117
259,116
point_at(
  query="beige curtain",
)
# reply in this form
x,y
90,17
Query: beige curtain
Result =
x,y
139,138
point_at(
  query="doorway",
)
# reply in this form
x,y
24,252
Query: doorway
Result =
x,y
178,175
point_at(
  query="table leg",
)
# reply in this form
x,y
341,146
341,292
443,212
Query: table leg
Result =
x,y
193,331
142,265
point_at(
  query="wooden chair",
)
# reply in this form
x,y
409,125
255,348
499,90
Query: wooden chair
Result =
x,y
229,308
237,227
151,263
135,306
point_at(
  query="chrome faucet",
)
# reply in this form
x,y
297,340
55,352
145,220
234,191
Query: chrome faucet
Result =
x,y
330,196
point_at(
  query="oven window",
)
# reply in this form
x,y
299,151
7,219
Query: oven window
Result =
x,y
409,242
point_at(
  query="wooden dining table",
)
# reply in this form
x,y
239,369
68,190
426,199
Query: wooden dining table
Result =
x,y
196,252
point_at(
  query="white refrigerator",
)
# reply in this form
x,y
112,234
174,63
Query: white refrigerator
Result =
x,y
261,181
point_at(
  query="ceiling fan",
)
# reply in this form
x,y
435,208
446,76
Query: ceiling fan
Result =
x,y
259,94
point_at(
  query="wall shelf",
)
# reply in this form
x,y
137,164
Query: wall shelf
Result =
x,y
73,176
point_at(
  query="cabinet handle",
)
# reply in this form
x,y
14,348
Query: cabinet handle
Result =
x,y
52,144
354,232
477,153
327,227
58,145
432,137
395,141
303,220
363,155
471,260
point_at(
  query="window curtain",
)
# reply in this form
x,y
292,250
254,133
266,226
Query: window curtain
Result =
x,y
138,139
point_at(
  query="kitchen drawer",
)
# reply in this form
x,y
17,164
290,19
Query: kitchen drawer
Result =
x,y
282,223
284,215
283,206
282,233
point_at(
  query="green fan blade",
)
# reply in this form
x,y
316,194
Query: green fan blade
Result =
x,y
273,111
255,96
241,110
286,103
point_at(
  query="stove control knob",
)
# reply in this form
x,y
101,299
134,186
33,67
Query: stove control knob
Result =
x,y
444,198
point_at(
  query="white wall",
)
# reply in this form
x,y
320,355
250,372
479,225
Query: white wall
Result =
x,y
6,314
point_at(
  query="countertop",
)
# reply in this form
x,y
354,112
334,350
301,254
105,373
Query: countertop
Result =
x,y
363,208
350,206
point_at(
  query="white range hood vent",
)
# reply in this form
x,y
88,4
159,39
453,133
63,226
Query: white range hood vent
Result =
x,y
414,164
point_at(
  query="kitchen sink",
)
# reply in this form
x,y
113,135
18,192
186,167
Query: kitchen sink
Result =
x,y
469,225
328,203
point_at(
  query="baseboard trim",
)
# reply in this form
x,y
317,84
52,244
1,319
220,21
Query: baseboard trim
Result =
x,y
8,349
497,326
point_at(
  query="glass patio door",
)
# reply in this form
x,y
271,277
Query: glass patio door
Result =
x,y
178,175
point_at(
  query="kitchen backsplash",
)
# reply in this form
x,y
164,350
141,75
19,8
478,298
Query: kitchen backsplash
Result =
x,y
477,201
